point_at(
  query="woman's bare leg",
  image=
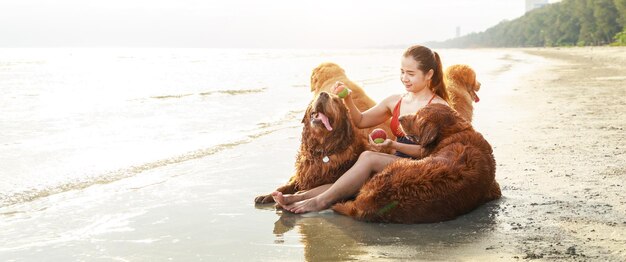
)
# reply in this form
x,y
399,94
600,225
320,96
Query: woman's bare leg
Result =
x,y
347,185
284,200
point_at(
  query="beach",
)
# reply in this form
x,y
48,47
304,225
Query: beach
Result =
x,y
554,117
561,160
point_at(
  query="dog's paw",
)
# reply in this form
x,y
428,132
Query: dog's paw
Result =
x,y
264,199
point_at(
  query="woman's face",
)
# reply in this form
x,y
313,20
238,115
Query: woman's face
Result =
x,y
414,80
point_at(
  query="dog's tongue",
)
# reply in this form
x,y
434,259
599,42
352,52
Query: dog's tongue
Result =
x,y
324,119
476,99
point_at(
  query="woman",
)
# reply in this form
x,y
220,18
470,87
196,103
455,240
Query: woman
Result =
x,y
422,76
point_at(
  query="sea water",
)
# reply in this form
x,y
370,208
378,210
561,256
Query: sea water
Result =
x,y
74,117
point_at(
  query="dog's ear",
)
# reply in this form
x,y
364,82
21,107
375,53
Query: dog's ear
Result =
x,y
347,122
343,113
430,132
307,113
342,136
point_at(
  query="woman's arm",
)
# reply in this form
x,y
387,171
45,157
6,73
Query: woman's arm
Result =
x,y
415,151
373,116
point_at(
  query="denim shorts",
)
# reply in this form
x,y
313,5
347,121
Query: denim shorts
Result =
x,y
404,140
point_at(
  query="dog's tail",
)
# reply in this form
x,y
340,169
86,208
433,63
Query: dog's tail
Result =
x,y
346,208
379,212
360,212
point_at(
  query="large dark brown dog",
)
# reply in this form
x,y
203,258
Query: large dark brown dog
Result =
x,y
455,175
462,87
331,144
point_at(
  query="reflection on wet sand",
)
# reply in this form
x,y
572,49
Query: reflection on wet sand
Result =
x,y
323,241
328,236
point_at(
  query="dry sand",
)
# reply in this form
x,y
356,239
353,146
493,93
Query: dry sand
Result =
x,y
564,167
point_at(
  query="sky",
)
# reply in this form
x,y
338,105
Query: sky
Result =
x,y
245,23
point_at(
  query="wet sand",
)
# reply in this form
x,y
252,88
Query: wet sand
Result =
x,y
556,123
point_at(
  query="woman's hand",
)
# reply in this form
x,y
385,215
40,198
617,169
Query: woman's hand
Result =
x,y
341,86
387,144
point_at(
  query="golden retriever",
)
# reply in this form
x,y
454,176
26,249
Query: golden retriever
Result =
x,y
455,175
323,79
462,87
331,144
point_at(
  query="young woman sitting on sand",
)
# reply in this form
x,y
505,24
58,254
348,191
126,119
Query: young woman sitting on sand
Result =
x,y
422,76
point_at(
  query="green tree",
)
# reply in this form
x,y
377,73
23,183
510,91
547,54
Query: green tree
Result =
x,y
606,20
620,6
570,22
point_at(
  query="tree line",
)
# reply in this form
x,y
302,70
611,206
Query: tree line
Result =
x,y
566,23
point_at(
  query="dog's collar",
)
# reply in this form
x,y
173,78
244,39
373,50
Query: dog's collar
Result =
x,y
325,157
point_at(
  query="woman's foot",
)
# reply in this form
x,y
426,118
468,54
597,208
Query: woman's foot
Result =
x,y
309,205
284,200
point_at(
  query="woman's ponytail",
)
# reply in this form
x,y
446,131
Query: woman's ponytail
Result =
x,y
438,86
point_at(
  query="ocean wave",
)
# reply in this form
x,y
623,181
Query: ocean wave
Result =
x,y
170,96
509,57
33,194
234,92
292,116
290,120
214,92
379,80
510,60
503,68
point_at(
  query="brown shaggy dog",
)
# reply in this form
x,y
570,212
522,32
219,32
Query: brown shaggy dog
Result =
x,y
455,175
323,79
462,87
331,144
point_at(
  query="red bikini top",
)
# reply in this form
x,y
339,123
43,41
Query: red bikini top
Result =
x,y
395,123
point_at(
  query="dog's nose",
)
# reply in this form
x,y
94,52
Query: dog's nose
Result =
x,y
324,94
